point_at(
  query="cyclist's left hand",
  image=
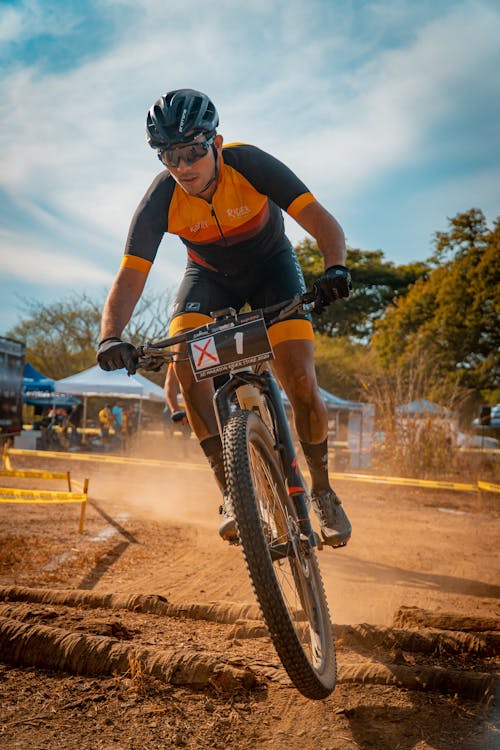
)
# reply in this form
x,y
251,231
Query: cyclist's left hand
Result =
x,y
334,284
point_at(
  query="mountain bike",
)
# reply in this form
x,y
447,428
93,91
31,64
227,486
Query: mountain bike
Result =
x,y
266,490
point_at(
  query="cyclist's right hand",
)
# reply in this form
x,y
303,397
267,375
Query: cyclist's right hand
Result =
x,y
114,354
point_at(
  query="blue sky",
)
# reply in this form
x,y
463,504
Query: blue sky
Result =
x,y
388,110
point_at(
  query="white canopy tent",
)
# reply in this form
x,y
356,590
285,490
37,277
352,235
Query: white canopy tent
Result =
x,y
115,384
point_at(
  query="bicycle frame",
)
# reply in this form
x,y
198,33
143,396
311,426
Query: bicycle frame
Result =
x,y
265,489
267,386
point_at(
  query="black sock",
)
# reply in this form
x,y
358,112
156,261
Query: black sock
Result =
x,y
212,448
316,455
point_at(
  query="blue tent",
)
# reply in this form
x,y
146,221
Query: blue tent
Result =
x,y
33,380
335,402
423,408
40,391
50,400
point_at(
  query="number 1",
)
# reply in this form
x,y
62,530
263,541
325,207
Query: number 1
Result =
x,y
238,337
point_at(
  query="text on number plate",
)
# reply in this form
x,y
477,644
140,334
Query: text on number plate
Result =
x,y
229,347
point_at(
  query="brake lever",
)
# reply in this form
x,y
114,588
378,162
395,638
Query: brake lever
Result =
x,y
299,302
150,361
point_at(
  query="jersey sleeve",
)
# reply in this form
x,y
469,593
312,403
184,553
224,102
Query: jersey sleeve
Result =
x,y
270,177
149,224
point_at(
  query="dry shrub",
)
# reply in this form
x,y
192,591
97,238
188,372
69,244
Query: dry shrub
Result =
x,y
423,446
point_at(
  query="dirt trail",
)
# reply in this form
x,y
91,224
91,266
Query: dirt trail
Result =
x,y
154,532
409,547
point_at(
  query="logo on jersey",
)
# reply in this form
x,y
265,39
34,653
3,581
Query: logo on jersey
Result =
x,y
196,227
237,213
192,306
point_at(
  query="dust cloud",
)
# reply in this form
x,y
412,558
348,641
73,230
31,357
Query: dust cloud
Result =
x,y
358,587
186,494
403,550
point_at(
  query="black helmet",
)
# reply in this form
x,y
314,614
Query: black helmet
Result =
x,y
177,113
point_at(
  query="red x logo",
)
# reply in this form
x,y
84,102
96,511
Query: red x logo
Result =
x,y
204,352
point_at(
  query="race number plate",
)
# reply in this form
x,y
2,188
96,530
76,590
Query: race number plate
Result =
x,y
229,346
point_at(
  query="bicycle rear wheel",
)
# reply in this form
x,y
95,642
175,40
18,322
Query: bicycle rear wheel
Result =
x,y
282,565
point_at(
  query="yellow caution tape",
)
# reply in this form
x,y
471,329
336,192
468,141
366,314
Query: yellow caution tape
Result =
x,y
14,495
33,473
35,501
404,481
488,486
100,458
370,478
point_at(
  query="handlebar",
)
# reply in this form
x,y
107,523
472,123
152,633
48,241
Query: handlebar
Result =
x,y
151,358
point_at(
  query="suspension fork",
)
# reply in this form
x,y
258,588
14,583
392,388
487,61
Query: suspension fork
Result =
x,y
295,484
268,386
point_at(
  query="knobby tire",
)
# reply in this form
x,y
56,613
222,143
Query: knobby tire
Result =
x,y
288,587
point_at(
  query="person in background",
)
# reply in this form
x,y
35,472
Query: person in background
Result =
x,y
106,419
75,417
172,392
117,412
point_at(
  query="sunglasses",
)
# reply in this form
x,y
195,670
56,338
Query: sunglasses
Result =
x,y
190,153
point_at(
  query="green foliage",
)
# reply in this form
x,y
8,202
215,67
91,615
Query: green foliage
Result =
x,y
62,337
467,231
453,316
340,365
377,283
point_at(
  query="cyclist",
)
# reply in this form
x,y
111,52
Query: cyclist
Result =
x,y
225,204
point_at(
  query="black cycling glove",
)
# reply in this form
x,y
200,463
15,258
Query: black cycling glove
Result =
x,y
334,284
114,354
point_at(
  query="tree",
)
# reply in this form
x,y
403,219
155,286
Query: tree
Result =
x,y
377,283
62,337
453,316
342,365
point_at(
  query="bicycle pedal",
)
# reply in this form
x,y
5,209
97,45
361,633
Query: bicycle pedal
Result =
x,y
319,541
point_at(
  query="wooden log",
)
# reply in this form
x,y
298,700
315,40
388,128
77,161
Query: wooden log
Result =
x,y
414,617
470,685
148,604
22,644
423,640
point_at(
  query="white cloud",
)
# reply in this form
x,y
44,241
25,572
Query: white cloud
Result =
x,y
53,268
11,24
323,95
386,121
32,18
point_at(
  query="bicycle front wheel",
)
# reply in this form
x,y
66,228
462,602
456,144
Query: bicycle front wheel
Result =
x,y
281,563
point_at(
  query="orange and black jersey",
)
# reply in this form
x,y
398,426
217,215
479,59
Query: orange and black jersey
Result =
x,y
241,226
